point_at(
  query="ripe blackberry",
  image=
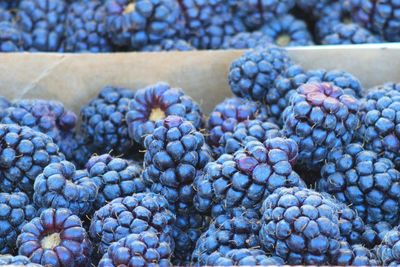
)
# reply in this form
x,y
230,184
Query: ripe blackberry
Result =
x,y
76,148
350,34
114,178
10,37
141,249
155,103
246,40
103,120
209,22
175,155
24,153
43,24
374,234
132,215
251,75
137,23
5,15
320,117
286,30
15,212
236,229
61,186
362,179
355,255
9,260
169,45
246,131
85,29
9,4
55,238
244,257
300,226
246,178
313,7
388,250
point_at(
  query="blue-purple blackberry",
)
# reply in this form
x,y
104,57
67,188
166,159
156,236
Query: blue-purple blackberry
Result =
x,y
24,153
132,215
55,238
368,183
155,103
141,249
246,40
9,260
247,131
15,212
62,186
9,4
246,178
244,257
235,229
350,34
388,251
86,28
5,15
114,177
251,75
374,234
314,8
43,24
137,23
320,117
76,148
355,255
300,226
103,120
175,155
287,30
169,45
10,37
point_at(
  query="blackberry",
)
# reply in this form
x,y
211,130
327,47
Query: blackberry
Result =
x,y
5,15
209,22
374,234
61,186
8,4
350,34
103,120
246,40
388,250
320,117
10,37
246,178
137,23
114,177
314,8
43,24
155,103
380,16
286,30
362,179
300,226
132,215
169,45
227,114
76,148
141,249
85,29
355,255
16,211
24,153
9,260
55,238
236,229
379,123
244,257
251,75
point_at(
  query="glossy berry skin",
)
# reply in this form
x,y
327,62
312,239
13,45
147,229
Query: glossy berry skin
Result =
x,y
24,153
244,257
16,211
114,178
175,155
355,255
77,148
103,120
9,260
247,40
368,183
320,117
131,215
55,238
10,36
251,75
141,249
388,250
169,45
374,234
156,102
300,226
227,114
350,34
286,30
62,186
43,24
86,28
137,23
246,131
246,178
235,229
